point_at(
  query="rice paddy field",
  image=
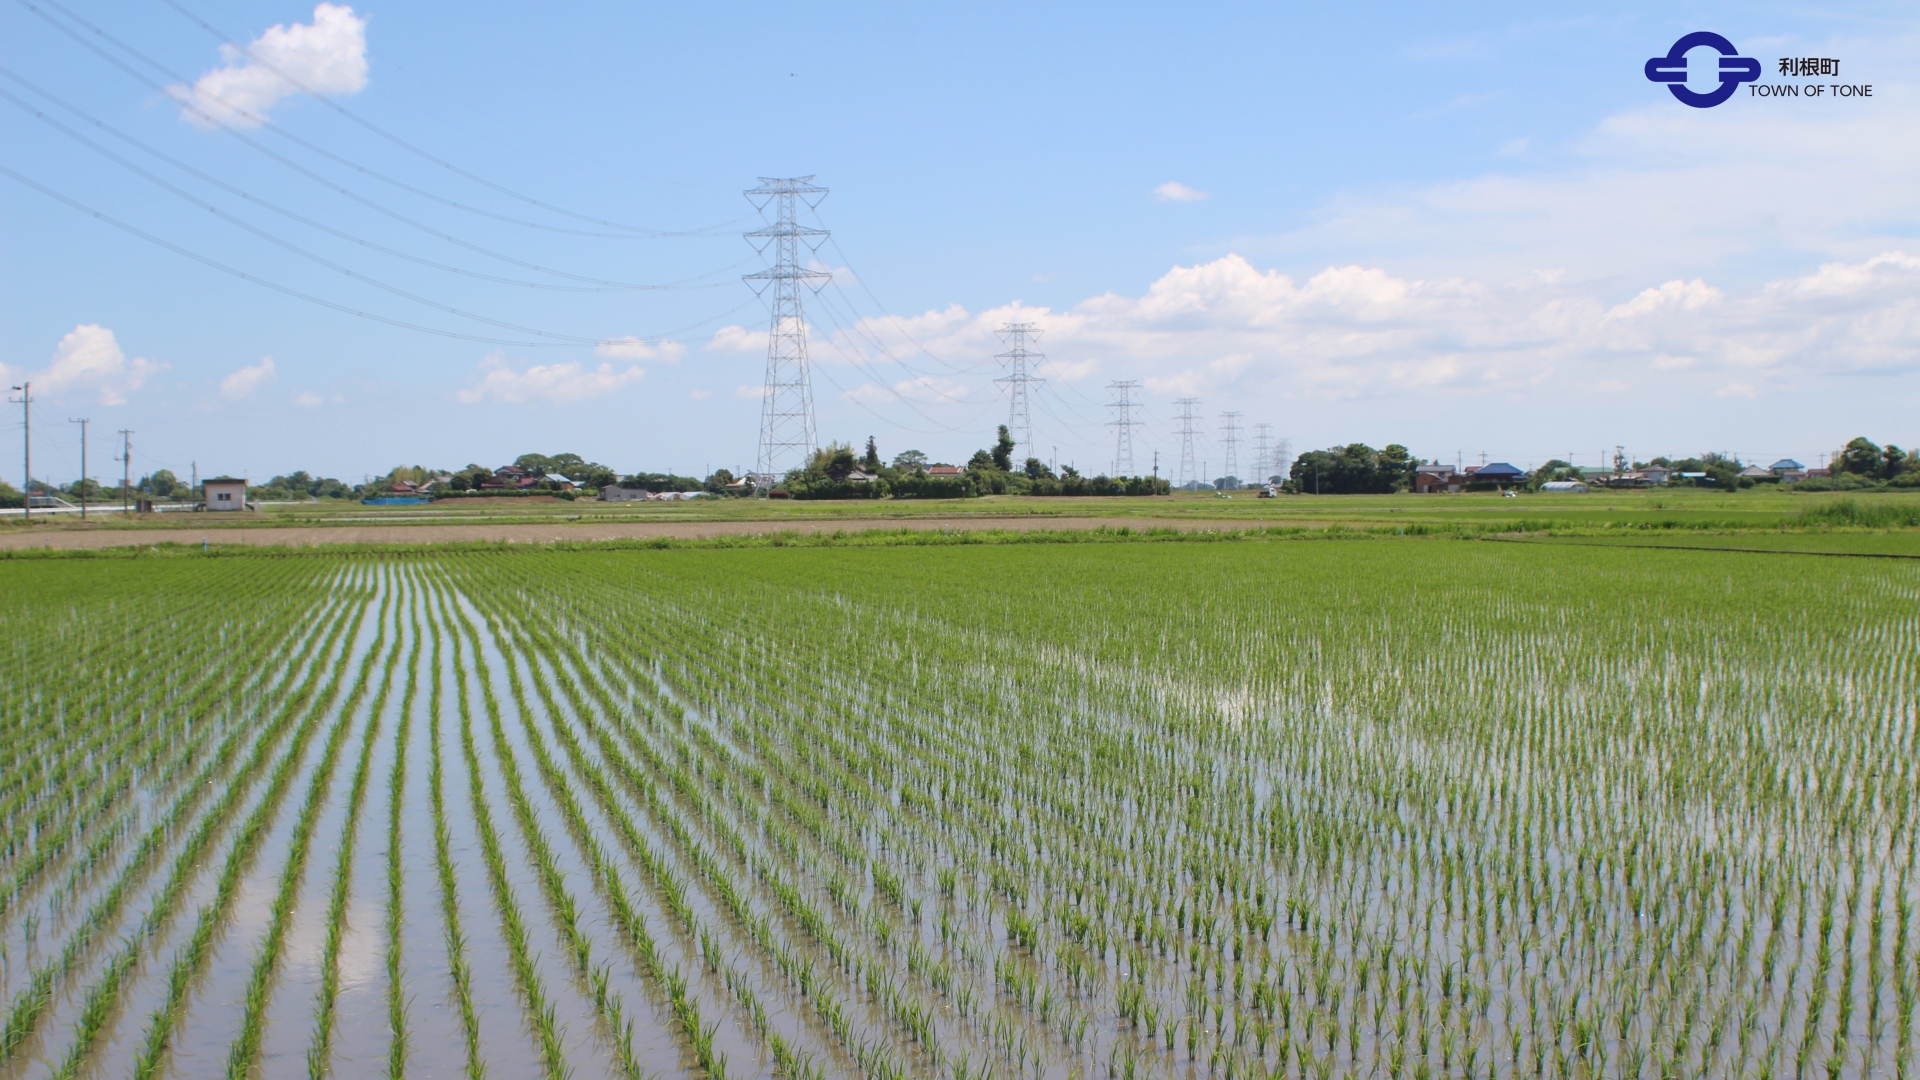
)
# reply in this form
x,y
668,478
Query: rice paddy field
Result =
x,y
1369,807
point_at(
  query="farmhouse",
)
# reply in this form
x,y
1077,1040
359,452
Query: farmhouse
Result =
x,y
1428,478
1498,472
225,493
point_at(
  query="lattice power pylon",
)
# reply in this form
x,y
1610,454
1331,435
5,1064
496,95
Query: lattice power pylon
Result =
x,y
1283,458
1230,434
1262,451
1123,424
1187,430
1018,380
787,436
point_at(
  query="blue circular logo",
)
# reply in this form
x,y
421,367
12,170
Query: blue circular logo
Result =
x,y
1672,69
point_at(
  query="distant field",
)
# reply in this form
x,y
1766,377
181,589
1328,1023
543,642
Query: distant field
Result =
x,y
544,520
1355,808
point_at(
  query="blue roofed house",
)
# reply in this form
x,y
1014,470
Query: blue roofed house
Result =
x,y
1788,470
1497,472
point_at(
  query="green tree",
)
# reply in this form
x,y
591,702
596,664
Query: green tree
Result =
x,y
1037,469
162,483
1003,451
910,461
871,461
1861,457
1353,469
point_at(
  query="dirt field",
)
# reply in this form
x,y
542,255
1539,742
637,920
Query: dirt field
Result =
x,y
538,532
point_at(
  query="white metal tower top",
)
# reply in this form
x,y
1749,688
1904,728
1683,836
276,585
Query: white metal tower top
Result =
x,y
1018,381
787,435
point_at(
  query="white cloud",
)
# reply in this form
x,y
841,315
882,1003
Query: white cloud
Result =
x,y
1652,192
738,339
1227,328
546,382
632,348
1175,191
700,395
1737,390
248,379
925,389
326,56
1069,372
307,399
89,360
750,393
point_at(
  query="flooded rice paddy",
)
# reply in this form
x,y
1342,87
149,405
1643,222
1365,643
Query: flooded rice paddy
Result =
x,y
1313,809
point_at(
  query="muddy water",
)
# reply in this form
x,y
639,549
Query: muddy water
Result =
x,y
565,991
436,1038
736,1040
507,1043
120,1045
50,1037
362,1034
288,1028
213,1024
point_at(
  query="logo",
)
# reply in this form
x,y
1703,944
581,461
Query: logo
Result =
x,y
1672,69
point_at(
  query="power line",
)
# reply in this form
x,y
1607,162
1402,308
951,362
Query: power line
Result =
x,y
302,219
1123,425
289,163
631,233
411,148
312,299
1017,356
787,435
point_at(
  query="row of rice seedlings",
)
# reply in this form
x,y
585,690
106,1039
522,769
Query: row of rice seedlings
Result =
x,y
58,820
909,1016
747,681
673,891
872,1057
459,967
27,1005
25,1012
244,1052
513,923
560,899
787,1059
319,1047
190,958
397,1047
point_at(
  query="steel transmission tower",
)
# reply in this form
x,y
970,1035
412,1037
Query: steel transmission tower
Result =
x,y
1231,431
1123,425
1017,357
1283,458
787,435
1262,451
1186,432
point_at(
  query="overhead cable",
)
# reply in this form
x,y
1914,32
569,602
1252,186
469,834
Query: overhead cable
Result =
x,y
179,80
250,54
292,215
310,298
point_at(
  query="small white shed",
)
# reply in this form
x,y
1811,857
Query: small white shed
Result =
x,y
225,493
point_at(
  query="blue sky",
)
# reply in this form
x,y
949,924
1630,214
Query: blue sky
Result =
x,y
1470,231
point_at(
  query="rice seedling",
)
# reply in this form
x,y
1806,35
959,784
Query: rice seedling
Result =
x,y
1367,807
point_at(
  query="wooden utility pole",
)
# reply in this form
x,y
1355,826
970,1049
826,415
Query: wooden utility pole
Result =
x,y
126,468
83,465
26,424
